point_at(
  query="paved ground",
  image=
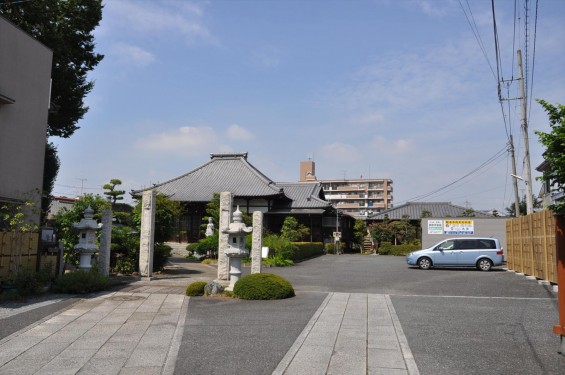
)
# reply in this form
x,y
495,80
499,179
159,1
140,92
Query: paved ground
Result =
x,y
352,314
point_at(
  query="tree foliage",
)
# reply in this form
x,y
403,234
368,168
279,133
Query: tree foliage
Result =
x,y
167,213
64,220
511,209
359,232
112,193
50,170
65,26
554,143
292,230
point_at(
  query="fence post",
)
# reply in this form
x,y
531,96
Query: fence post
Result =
x,y
560,250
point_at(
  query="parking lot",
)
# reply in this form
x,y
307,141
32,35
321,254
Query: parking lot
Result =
x,y
457,321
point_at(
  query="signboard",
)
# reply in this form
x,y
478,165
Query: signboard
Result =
x,y
458,227
435,226
337,235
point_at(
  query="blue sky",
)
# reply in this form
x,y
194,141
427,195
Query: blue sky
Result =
x,y
379,89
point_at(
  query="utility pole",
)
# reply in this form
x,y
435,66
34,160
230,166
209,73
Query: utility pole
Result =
x,y
514,179
527,169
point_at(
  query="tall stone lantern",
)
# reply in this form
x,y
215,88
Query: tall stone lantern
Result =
x,y
236,246
86,246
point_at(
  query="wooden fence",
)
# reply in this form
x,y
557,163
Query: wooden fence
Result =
x,y
530,242
17,250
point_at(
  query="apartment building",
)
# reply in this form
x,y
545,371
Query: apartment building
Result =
x,y
358,198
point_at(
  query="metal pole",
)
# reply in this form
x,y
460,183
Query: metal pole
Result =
x,y
527,169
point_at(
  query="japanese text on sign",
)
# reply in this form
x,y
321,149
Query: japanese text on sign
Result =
x,y
458,227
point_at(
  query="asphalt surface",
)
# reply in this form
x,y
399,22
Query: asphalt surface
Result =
x,y
456,321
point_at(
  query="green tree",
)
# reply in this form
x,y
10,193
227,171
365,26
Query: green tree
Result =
x,y
382,232
112,193
511,210
359,232
167,213
404,232
554,154
64,220
292,230
50,170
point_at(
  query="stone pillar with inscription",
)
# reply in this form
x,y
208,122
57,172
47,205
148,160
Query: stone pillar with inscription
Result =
x,y
146,242
226,203
257,242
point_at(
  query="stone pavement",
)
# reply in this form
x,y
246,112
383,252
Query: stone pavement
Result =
x,y
140,332
351,334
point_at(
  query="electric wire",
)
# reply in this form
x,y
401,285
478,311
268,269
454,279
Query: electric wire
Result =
x,y
533,61
491,160
477,35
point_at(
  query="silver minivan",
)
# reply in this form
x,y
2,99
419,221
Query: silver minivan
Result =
x,y
483,253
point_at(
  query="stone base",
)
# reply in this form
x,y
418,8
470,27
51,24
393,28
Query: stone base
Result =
x,y
225,283
147,278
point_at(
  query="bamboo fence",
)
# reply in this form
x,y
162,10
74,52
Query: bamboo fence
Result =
x,y
531,245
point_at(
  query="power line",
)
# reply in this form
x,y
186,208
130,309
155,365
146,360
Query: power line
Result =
x,y
491,160
533,60
477,35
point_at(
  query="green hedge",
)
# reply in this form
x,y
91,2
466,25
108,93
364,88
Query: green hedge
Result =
x,y
195,289
263,286
81,282
307,250
386,248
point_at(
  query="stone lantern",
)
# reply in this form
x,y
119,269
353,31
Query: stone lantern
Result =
x,y
236,246
86,246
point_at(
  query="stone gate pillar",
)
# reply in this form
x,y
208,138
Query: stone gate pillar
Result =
x,y
226,203
257,242
146,241
105,242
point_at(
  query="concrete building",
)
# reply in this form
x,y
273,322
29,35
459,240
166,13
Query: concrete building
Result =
x,y
359,198
25,82
25,85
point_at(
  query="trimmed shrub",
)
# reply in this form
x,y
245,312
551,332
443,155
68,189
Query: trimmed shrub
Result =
x,y
195,289
308,250
263,286
26,282
386,248
81,282
277,261
282,246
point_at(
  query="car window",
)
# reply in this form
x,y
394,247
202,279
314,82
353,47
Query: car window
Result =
x,y
446,245
466,244
487,244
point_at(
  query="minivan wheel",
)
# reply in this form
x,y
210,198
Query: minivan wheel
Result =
x,y
425,263
484,264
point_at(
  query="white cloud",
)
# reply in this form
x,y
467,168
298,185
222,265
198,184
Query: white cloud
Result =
x,y
434,8
387,147
186,140
148,18
238,133
340,152
129,54
268,56
368,119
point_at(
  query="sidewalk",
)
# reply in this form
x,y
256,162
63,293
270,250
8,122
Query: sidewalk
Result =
x,y
140,332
